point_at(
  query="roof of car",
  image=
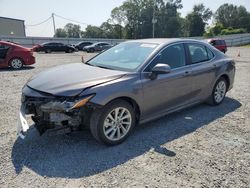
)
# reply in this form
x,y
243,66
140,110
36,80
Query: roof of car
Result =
x,y
214,39
11,44
163,41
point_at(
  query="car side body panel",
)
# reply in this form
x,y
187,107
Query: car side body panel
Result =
x,y
169,92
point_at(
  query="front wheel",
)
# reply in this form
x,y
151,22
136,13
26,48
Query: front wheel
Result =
x,y
219,92
113,123
16,63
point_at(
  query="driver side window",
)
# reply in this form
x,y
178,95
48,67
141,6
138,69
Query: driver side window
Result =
x,y
173,55
3,51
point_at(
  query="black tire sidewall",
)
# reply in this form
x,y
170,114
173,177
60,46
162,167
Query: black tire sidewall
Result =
x,y
96,125
47,51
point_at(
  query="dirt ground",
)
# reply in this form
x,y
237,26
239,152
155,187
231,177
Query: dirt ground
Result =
x,y
202,146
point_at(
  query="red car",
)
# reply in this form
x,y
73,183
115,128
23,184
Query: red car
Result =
x,y
15,56
220,44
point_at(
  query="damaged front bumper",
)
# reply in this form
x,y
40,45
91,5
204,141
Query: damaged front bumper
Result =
x,y
22,124
53,115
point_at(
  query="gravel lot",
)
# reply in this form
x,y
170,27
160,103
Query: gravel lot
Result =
x,y
202,146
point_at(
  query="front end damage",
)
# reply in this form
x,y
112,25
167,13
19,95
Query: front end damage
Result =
x,y
54,114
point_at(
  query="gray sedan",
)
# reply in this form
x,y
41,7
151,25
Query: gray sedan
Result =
x,y
131,83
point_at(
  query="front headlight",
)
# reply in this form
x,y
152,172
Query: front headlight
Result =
x,y
67,106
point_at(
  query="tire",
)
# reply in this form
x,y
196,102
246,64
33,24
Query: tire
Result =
x,y
112,132
16,63
91,50
47,51
69,51
219,92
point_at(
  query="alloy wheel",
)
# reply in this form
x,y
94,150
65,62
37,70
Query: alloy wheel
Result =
x,y
117,124
16,63
220,91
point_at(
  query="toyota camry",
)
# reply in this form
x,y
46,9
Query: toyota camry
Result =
x,y
131,83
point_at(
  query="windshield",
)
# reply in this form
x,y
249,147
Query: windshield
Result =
x,y
126,56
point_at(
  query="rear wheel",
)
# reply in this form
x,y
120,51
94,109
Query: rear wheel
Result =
x,y
113,123
69,51
16,63
219,92
91,50
47,51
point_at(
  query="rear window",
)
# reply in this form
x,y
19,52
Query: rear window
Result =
x,y
199,53
219,42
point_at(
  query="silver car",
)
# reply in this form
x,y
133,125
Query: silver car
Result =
x,y
131,83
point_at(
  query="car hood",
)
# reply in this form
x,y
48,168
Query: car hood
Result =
x,y
70,80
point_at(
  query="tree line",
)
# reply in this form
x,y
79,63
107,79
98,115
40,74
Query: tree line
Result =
x,y
136,19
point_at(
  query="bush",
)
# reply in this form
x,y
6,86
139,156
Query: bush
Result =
x,y
230,31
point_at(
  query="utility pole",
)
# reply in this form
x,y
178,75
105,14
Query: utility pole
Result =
x,y
154,21
54,24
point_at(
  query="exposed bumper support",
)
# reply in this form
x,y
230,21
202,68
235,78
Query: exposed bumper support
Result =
x,y
22,124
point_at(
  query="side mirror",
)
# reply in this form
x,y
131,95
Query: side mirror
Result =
x,y
159,69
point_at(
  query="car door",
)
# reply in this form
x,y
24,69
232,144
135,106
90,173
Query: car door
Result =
x,y
62,47
167,91
203,69
50,46
3,53
58,47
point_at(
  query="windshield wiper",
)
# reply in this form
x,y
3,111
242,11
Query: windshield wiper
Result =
x,y
99,66
104,67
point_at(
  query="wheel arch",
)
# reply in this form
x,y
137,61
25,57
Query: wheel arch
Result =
x,y
132,102
20,58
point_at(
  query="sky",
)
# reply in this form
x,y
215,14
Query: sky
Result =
x,y
92,12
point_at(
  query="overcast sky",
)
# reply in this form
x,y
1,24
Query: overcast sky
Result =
x,y
92,12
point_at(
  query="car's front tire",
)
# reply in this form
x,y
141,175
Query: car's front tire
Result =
x,y
113,123
219,92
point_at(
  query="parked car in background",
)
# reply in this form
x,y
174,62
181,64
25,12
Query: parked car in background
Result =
x,y
220,44
15,56
81,45
97,47
133,82
49,47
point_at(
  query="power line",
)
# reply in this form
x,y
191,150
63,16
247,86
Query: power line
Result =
x,y
82,23
40,22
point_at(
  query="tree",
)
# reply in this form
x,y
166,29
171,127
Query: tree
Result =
x,y
92,32
230,15
137,16
60,33
197,20
214,30
72,30
169,21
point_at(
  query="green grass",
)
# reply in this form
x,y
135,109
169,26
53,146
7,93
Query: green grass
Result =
x,y
247,46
